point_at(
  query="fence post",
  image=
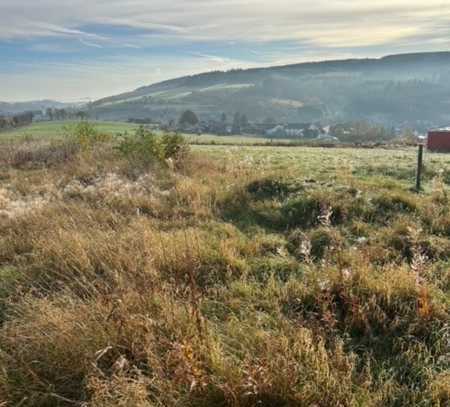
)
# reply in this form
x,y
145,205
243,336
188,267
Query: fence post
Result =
x,y
419,168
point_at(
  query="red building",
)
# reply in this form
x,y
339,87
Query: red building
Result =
x,y
439,140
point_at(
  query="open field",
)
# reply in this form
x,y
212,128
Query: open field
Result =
x,y
232,140
390,168
223,276
56,129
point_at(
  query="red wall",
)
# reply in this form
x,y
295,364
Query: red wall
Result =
x,y
439,140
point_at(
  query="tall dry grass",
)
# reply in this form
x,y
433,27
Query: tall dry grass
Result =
x,y
212,284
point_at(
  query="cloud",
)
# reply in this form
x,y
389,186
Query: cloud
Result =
x,y
122,44
90,44
325,22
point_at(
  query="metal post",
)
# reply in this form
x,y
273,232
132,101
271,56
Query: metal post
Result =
x,y
419,168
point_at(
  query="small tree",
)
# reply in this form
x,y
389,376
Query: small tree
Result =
x,y
81,115
244,121
49,113
188,118
236,129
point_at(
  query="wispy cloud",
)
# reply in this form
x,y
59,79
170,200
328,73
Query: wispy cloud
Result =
x,y
250,20
198,35
90,44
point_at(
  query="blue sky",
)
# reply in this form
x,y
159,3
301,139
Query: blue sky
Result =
x,y
86,49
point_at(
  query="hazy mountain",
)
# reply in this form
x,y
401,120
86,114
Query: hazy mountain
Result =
x,y
19,107
396,89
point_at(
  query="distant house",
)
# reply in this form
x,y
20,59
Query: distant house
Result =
x,y
295,131
277,131
327,137
439,140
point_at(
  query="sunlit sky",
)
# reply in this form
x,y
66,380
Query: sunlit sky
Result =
x,y
85,49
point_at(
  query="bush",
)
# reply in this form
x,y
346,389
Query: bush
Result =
x,y
85,135
146,148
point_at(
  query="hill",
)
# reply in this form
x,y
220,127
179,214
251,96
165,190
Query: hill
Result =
x,y
408,89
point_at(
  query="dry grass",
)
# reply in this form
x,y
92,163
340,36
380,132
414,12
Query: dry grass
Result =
x,y
218,284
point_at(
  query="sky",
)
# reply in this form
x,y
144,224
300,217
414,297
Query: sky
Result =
x,y
79,50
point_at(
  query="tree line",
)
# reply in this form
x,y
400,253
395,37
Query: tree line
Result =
x,y
18,120
63,114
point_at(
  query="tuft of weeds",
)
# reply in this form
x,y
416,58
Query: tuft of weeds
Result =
x,y
321,241
35,155
270,188
389,204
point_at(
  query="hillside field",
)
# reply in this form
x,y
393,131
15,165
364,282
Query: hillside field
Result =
x,y
147,272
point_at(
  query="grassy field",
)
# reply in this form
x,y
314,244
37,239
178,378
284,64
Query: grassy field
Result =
x,y
231,140
56,129
223,276
389,168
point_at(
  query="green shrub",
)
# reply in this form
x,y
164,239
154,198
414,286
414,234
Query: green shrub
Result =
x,y
85,135
146,148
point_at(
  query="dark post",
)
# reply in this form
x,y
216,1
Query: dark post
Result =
x,y
419,168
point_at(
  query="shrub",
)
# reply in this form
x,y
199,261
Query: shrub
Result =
x,y
85,135
146,148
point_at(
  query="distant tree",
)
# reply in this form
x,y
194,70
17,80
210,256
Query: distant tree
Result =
x,y
3,123
223,118
236,128
244,121
408,136
81,115
361,132
188,118
22,119
63,113
49,113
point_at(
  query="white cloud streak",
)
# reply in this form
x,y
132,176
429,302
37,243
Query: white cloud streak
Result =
x,y
322,22
316,30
